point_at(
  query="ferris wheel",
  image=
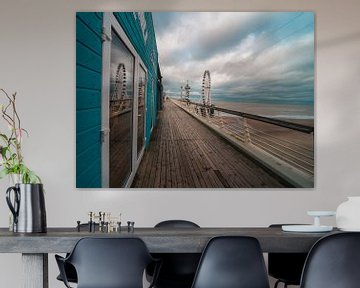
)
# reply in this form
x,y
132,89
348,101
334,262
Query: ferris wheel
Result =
x,y
119,93
207,108
205,88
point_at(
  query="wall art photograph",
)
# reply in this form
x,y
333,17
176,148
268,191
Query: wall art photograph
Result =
x,y
195,100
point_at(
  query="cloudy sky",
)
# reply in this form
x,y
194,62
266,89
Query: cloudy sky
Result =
x,y
263,57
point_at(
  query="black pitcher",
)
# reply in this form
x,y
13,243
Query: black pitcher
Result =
x,y
28,208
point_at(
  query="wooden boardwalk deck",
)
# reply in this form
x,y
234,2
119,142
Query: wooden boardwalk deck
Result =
x,y
183,153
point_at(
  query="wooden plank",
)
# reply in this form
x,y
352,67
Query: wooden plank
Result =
x,y
162,166
217,175
194,165
157,169
188,154
180,172
226,165
35,270
201,166
169,175
184,169
181,169
150,157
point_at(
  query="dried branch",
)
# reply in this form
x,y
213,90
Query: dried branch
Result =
x,y
12,159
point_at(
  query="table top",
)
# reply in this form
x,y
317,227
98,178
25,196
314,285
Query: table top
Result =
x,y
158,240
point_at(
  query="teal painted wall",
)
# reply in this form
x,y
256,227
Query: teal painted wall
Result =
x,y
147,50
88,99
88,85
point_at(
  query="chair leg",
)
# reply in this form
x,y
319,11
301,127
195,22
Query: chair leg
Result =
x,y
279,281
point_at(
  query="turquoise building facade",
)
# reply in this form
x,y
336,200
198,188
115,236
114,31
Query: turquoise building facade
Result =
x,y
118,94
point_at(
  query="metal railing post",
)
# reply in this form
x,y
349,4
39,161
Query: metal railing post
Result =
x,y
246,132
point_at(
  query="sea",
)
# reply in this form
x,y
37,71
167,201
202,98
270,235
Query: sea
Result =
x,y
277,111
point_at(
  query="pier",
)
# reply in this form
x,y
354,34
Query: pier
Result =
x,y
184,153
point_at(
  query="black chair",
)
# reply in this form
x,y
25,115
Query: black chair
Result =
x,y
178,269
232,262
333,262
286,267
108,263
69,269
176,224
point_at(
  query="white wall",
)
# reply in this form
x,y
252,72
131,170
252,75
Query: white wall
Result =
x,y
37,59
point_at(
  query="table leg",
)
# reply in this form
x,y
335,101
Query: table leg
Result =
x,y
35,270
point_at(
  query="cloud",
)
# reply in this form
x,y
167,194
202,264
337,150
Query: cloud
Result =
x,y
251,56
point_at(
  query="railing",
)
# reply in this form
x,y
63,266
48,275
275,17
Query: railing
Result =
x,y
120,106
288,141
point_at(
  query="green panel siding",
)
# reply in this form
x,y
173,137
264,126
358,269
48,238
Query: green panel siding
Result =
x,y
147,50
88,99
89,171
87,58
91,135
86,119
87,78
92,20
87,36
89,81
96,178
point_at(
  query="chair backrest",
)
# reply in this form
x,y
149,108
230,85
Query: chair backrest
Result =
x,y
110,262
333,262
177,269
232,262
176,224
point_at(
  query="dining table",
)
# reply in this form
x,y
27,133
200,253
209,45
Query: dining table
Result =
x,y
35,247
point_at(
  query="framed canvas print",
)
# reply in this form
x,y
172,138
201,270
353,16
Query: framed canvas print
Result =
x,y
195,99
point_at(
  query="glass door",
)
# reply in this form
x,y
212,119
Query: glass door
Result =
x,y
121,103
141,110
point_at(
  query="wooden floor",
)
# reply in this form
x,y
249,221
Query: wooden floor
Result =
x,y
183,153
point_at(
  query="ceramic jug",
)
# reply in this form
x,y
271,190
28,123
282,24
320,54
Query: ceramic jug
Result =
x,y
27,207
348,215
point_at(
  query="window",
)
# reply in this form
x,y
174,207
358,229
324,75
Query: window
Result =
x,y
141,110
123,107
121,111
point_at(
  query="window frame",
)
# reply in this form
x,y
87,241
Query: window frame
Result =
x,y
111,23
